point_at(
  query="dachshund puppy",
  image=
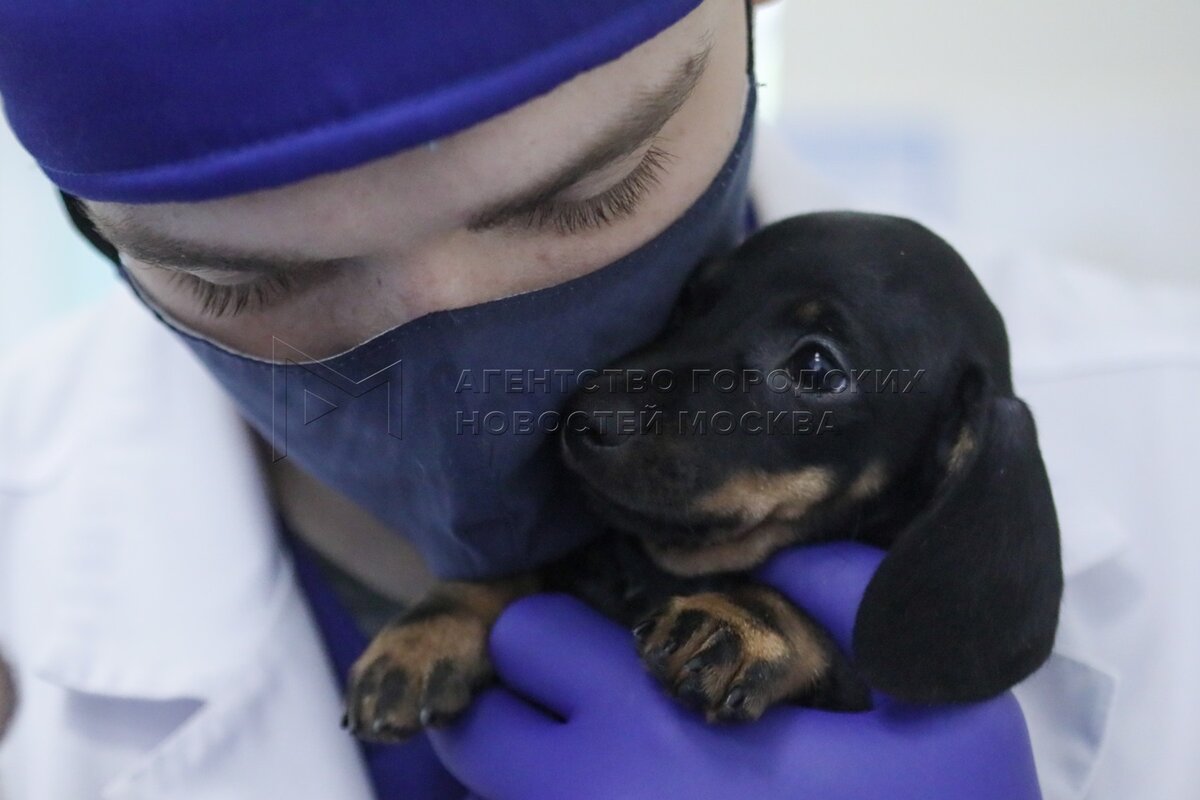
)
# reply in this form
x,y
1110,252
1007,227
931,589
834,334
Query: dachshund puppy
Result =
x,y
838,376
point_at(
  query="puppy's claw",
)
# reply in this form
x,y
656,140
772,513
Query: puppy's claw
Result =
x,y
643,628
432,718
690,691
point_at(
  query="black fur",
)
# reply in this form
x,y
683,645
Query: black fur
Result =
x,y
965,604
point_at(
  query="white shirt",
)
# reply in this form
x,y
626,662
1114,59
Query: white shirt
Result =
x,y
162,649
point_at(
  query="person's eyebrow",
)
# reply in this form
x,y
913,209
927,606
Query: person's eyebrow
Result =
x,y
639,125
162,250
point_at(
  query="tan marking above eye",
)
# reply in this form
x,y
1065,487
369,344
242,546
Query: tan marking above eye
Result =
x,y
963,447
808,312
755,495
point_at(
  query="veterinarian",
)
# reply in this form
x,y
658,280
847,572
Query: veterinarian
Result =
x,y
181,594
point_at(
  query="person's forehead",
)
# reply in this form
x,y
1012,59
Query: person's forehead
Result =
x,y
437,184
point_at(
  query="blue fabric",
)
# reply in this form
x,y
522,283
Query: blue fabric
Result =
x,y
411,770
158,100
420,426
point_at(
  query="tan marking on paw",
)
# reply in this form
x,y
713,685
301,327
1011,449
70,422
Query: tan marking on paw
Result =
x,y
760,642
425,667
708,648
810,660
390,684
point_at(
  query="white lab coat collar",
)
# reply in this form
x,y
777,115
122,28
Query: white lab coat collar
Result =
x,y
170,582
136,608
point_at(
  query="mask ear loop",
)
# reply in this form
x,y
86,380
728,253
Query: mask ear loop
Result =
x,y
83,223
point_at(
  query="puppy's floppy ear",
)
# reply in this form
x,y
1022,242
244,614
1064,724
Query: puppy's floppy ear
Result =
x,y
965,605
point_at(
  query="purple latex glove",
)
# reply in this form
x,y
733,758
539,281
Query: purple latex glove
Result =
x,y
621,736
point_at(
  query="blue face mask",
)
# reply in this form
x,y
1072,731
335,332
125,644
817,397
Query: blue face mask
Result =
x,y
444,428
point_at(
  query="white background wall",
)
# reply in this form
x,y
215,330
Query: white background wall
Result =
x,y
1065,125
1072,126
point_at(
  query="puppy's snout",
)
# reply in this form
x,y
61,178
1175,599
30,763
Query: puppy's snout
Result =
x,y
605,419
606,422
600,430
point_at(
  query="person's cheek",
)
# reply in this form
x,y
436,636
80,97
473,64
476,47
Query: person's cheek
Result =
x,y
471,268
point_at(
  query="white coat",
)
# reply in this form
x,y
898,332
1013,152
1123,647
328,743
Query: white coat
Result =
x,y
162,649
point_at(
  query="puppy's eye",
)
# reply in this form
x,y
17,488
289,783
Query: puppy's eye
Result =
x,y
814,367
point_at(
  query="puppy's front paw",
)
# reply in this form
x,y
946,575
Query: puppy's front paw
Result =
x,y
418,672
733,657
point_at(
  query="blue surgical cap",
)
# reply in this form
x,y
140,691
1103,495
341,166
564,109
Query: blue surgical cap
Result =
x,y
175,100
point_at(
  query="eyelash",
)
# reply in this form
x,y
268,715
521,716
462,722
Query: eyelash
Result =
x,y
220,300
614,204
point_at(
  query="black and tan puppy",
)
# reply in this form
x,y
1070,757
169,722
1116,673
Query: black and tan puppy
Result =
x,y
838,376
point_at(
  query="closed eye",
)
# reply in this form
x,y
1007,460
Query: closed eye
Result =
x,y
566,217
231,299
223,296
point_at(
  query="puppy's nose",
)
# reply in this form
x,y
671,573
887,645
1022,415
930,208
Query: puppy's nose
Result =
x,y
614,409
604,429
605,421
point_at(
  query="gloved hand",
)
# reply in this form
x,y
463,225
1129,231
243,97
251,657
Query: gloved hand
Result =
x,y
621,736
